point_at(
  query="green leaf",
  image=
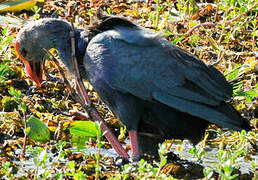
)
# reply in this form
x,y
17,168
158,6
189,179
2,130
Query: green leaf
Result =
x,y
24,107
194,39
38,130
4,68
233,75
163,162
208,172
237,72
108,10
234,176
178,39
249,95
71,165
242,9
27,130
84,128
12,92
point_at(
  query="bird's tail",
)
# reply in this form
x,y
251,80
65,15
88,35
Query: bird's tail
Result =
x,y
229,111
223,114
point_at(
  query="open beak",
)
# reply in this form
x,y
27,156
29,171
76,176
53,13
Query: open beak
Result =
x,y
34,69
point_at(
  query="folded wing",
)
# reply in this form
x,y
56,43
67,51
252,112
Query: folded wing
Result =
x,y
139,62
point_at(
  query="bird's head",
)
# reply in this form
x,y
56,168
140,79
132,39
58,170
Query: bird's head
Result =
x,y
39,35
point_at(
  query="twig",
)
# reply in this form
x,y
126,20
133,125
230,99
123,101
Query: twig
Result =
x,y
46,72
73,93
90,108
85,101
241,15
220,56
210,24
93,112
81,87
59,130
207,24
25,135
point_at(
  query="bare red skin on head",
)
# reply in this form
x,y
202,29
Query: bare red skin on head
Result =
x,y
31,67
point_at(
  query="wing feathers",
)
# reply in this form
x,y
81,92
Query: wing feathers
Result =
x,y
143,62
191,92
205,76
211,114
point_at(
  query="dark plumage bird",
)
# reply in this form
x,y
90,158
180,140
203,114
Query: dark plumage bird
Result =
x,y
157,89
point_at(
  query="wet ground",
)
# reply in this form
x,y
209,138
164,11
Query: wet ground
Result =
x,y
190,167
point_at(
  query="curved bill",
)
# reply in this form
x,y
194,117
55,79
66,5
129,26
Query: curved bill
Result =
x,y
34,69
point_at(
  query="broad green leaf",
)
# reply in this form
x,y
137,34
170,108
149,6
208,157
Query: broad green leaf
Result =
x,y
18,5
84,128
38,130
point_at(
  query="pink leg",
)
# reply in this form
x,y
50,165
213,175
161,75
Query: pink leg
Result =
x,y
136,151
109,135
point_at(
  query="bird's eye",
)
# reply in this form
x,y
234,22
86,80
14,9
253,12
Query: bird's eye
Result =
x,y
24,52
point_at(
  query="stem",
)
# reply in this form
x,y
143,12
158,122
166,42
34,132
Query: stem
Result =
x,y
93,112
157,16
25,134
98,153
37,169
73,93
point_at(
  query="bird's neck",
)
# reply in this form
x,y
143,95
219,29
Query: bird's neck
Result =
x,y
65,50
82,39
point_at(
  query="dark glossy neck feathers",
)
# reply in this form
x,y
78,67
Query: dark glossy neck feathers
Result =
x,y
104,23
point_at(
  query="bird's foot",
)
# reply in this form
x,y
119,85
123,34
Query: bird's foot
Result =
x,y
120,161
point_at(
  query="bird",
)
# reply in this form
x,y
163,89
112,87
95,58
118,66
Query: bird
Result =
x,y
158,90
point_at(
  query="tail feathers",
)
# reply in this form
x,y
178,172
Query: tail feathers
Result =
x,y
232,113
223,115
